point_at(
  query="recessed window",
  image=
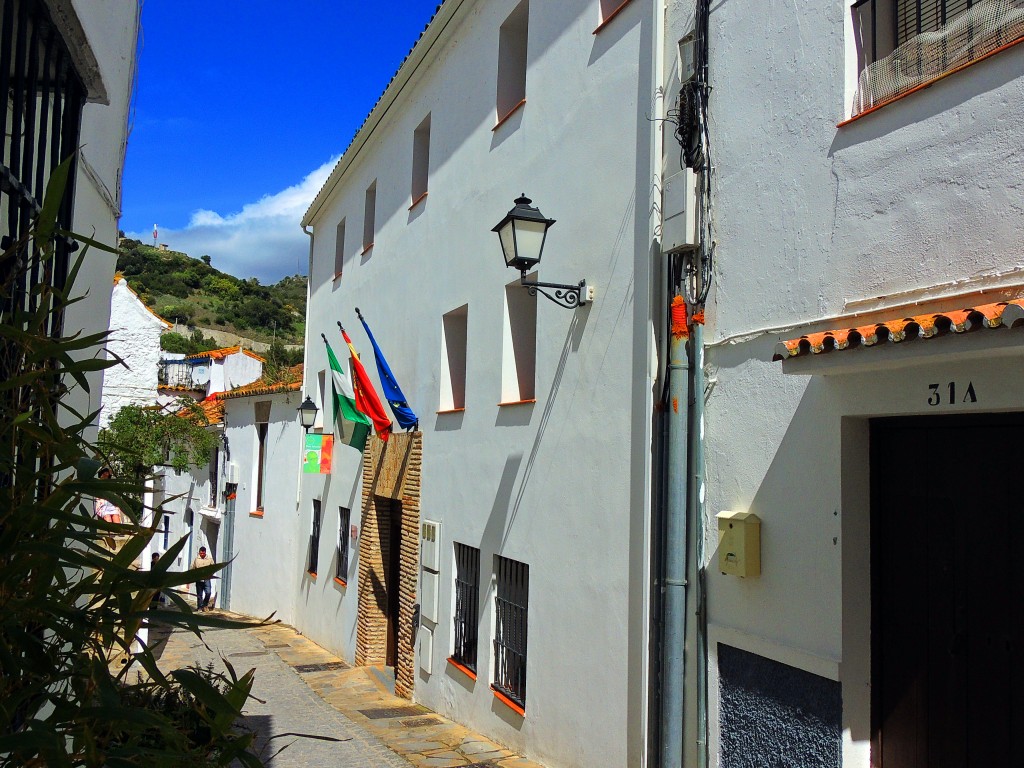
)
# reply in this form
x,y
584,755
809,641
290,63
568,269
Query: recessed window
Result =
x,y
420,160
214,480
344,520
519,345
261,462
323,399
339,249
609,8
314,538
511,599
370,216
512,45
467,605
453,359
903,44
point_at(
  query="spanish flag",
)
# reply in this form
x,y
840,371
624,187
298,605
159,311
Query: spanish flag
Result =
x,y
366,397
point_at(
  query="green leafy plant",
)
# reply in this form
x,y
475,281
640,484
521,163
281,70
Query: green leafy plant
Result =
x,y
73,601
140,438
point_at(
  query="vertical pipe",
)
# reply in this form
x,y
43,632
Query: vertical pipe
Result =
x,y
696,513
674,581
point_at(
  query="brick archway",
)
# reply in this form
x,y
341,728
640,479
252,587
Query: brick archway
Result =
x,y
391,514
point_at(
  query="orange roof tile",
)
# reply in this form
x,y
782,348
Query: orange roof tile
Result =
x,y
286,380
218,354
211,408
1000,314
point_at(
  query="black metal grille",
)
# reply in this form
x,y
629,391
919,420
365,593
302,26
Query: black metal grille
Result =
x,y
467,603
510,606
344,518
314,538
261,460
883,25
214,476
916,16
40,113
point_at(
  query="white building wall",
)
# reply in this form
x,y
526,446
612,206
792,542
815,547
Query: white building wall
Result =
x,y
135,339
238,370
561,484
919,200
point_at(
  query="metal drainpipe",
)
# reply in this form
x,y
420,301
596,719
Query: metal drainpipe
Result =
x,y
674,580
698,492
305,356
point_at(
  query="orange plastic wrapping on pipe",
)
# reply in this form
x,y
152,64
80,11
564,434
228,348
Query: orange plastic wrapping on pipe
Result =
x,y
679,327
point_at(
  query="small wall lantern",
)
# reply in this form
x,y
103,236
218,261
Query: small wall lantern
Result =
x,y
307,413
522,234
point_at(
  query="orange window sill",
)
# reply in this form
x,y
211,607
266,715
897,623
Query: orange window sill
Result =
x,y
337,276
366,248
418,200
928,83
517,402
521,711
451,410
340,582
462,668
256,513
311,574
608,19
511,112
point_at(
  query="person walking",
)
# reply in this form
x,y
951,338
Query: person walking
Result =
x,y
203,585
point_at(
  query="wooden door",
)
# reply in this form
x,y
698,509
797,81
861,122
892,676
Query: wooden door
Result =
x,y
394,576
947,592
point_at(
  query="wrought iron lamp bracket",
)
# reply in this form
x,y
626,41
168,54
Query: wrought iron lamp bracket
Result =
x,y
568,296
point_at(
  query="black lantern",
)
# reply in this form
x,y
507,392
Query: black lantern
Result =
x,y
522,234
307,413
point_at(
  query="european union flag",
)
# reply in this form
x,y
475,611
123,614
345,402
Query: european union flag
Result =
x,y
392,392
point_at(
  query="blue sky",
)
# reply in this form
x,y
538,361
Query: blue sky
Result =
x,y
240,112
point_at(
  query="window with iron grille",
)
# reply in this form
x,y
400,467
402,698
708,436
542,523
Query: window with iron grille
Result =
x,y
40,115
314,539
510,611
214,476
261,461
344,519
902,44
467,604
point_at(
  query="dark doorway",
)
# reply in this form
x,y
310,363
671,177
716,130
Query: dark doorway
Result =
x,y
393,569
947,591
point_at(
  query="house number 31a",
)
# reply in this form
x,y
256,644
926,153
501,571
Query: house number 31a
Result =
x,y
947,393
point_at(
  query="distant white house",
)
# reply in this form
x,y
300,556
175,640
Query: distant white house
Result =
x,y
203,374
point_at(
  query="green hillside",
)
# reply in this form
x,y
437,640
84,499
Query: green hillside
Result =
x,y
180,288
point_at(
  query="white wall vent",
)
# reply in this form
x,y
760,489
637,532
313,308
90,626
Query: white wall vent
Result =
x,y
430,545
426,649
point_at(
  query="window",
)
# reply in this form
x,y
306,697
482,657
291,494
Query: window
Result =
x,y
512,39
344,520
902,44
214,479
453,359
339,249
261,460
314,539
467,601
167,532
519,345
609,9
326,401
510,604
369,217
420,160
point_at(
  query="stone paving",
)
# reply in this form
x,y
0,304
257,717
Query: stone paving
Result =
x,y
308,690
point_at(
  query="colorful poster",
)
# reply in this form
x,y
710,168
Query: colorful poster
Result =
x,y
316,454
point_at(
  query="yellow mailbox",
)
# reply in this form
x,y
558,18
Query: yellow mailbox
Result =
x,y
739,543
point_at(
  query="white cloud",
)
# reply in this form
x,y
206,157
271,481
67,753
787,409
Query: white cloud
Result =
x,y
262,240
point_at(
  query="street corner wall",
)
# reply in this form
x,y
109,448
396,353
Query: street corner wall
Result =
x,y
135,339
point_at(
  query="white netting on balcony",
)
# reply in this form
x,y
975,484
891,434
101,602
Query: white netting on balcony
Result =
x,y
987,26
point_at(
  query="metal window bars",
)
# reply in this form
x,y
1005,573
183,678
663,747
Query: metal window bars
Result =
x,y
467,604
344,519
314,539
510,628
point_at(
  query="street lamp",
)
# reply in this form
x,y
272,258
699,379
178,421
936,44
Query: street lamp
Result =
x,y
307,413
522,234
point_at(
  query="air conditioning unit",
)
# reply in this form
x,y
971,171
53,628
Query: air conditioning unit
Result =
x,y
430,545
231,472
679,227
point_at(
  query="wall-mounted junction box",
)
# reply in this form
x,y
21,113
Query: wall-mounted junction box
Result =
x,y
739,543
679,212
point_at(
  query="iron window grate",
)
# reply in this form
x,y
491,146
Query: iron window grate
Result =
x,y
510,628
467,603
344,519
314,538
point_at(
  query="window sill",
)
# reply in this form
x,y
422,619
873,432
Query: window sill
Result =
x,y
450,410
366,249
928,83
337,277
311,574
517,402
511,112
608,19
521,711
418,200
340,582
462,668
256,513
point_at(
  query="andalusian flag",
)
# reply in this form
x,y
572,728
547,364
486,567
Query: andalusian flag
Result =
x,y
392,392
366,397
345,402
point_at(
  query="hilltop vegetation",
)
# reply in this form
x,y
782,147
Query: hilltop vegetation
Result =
x,y
191,291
